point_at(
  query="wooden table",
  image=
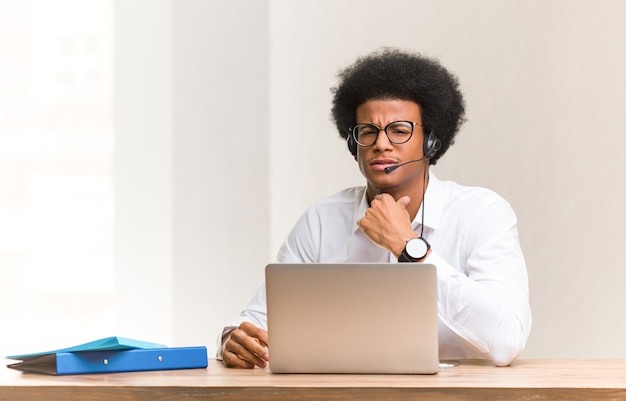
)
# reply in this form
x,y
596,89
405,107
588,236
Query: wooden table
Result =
x,y
471,380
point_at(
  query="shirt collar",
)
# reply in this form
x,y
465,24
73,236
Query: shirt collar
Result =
x,y
433,199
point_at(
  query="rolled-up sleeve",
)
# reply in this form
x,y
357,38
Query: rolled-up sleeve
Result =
x,y
486,301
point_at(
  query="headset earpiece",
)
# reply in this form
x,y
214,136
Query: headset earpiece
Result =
x,y
431,145
352,147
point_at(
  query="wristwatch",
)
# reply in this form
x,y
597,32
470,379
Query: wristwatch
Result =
x,y
414,250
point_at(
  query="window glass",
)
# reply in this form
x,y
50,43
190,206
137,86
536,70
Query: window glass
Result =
x,y
56,187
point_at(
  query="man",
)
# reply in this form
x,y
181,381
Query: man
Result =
x,y
399,113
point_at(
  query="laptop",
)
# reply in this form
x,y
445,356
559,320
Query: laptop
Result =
x,y
352,318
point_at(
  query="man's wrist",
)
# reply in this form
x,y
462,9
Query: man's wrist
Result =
x,y
416,249
226,332
401,243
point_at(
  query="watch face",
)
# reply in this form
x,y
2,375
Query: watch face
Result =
x,y
416,248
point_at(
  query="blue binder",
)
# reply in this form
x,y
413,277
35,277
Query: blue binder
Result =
x,y
117,358
108,343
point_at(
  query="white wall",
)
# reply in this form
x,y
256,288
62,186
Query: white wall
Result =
x,y
143,170
220,130
544,89
191,126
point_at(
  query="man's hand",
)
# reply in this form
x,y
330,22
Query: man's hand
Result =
x,y
246,347
387,223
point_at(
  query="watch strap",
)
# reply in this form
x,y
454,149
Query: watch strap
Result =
x,y
405,257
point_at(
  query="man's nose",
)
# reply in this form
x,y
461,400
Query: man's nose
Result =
x,y
382,141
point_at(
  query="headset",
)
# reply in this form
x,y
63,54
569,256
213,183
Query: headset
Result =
x,y
431,145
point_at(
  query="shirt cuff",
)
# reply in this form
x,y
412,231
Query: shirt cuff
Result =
x,y
222,339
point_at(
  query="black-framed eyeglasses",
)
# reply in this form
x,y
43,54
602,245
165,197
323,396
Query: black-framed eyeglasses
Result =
x,y
397,132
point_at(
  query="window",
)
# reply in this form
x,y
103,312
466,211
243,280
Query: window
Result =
x,y
56,188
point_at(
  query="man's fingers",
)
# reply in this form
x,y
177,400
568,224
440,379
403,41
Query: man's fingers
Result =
x,y
246,347
231,360
237,354
251,342
255,332
404,201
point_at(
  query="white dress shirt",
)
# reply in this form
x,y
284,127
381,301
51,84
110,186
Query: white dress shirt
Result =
x,y
483,303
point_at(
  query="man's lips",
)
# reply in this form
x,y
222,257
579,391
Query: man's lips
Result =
x,y
381,164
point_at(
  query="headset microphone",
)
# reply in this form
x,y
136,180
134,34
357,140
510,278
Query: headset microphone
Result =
x,y
389,169
431,146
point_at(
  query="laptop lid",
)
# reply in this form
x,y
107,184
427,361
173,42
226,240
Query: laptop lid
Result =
x,y
352,318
